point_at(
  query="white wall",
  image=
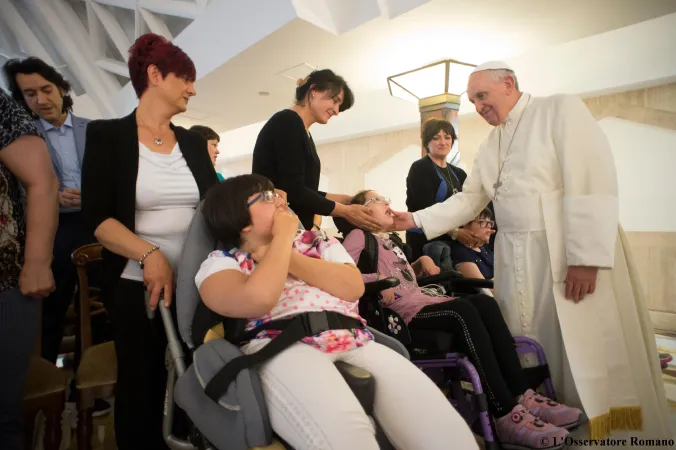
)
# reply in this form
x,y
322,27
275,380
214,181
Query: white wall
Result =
x,y
645,157
389,178
84,106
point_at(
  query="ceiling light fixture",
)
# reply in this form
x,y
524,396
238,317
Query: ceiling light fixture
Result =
x,y
436,88
439,82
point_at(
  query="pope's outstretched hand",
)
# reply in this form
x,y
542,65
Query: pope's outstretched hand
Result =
x,y
402,221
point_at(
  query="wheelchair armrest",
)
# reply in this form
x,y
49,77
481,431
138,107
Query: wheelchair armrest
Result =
x,y
456,280
377,286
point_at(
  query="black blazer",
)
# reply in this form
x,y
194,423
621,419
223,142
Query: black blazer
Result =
x,y
286,155
423,182
109,172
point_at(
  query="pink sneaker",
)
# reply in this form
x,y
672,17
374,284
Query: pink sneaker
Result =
x,y
520,430
550,411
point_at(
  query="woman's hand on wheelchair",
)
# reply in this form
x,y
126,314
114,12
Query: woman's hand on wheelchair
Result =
x,y
158,276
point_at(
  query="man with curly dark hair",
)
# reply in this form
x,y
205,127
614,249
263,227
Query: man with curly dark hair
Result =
x,y
45,95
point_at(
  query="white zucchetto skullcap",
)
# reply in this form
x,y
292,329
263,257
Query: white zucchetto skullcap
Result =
x,y
492,65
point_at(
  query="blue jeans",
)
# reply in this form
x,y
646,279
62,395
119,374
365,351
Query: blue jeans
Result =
x,y
440,252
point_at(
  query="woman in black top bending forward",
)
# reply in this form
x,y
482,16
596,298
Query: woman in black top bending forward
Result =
x,y
286,154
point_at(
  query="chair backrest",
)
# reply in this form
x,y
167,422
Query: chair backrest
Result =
x,y
90,303
199,242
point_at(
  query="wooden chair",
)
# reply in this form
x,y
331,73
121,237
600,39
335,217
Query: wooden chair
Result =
x,y
45,391
97,372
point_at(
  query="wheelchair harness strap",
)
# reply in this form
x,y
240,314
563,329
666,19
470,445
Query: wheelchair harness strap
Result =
x,y
368,260
292,330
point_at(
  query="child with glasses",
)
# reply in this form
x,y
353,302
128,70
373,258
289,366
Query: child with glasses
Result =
x,y
476,261
275,271
524,419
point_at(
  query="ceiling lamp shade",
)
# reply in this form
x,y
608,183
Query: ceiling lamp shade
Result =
x,y
447,78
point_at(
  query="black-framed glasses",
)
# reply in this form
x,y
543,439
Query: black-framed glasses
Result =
x,y
378,200
267,196
486,223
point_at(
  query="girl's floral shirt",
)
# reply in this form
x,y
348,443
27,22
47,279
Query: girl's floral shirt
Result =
x,y
298,296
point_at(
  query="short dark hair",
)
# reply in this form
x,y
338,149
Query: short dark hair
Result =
x,y
432,127
225,207
206,132
152,49
326,80
32,65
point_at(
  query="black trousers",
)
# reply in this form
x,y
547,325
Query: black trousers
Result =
x,y
140,345
480,332
19,321
70,235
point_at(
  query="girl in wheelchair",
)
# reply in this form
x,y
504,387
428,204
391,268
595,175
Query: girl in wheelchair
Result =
x,y
276,271
523,418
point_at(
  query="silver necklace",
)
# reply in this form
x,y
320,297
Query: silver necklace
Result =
x,y
498,182
156,140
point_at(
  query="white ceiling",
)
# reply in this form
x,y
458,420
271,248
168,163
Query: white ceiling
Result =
x,y
363,40
88,40
468,30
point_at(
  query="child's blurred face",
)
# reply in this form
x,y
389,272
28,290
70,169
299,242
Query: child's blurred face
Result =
x,y
262,208
482,227
380,209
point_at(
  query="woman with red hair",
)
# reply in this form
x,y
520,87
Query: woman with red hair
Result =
x,y
142,178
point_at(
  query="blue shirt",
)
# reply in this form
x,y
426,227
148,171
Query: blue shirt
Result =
x,y
63,141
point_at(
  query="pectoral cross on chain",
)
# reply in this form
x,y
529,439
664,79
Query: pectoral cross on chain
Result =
x,y
497,185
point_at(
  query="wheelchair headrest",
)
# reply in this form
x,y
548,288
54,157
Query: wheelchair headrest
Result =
x,y
343,226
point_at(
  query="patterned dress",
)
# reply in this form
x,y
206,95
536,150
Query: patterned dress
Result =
x,y
298,296
14,123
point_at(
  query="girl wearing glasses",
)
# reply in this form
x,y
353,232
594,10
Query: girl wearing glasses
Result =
x,y
276,271
524,419
476,261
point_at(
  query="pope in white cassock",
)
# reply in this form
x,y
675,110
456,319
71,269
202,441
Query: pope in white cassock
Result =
x,y
563,273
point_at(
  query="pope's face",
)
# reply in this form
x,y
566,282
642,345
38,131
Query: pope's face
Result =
x,y
490,97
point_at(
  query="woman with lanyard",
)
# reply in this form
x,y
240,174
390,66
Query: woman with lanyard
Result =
x,y
285,152
432,180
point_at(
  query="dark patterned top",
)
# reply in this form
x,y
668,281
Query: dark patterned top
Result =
x,y
14,123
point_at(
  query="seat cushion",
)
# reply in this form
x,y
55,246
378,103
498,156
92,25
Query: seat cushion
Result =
x,y
44,378
98,366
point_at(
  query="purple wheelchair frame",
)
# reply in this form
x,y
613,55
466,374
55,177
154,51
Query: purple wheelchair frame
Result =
x,y
456,396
